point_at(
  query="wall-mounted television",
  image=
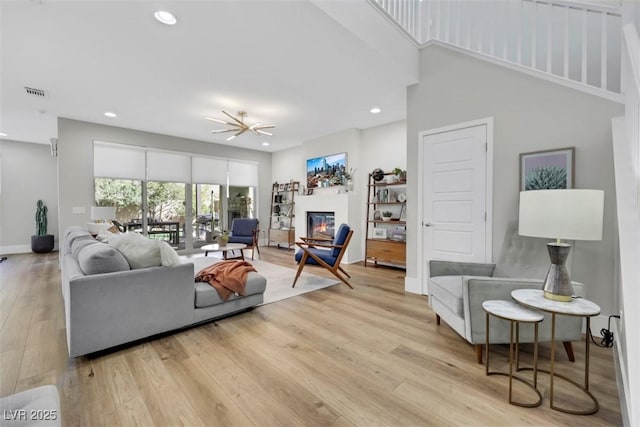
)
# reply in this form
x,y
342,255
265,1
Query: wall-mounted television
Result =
x,y
326,171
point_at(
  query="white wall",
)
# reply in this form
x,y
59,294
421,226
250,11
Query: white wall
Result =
x,y
75,163
530,114
28,173
378,147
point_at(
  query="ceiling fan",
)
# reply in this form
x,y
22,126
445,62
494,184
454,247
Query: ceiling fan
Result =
x,y
240,127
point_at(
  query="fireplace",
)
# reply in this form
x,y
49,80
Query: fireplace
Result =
x,y
321,225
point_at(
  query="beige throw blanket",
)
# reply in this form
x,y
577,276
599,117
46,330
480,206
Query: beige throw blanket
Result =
x,y
227,277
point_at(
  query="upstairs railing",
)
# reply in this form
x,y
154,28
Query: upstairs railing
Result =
x,y
571,40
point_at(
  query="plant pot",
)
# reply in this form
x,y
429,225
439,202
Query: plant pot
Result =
x,y
42,244
222,241
386,218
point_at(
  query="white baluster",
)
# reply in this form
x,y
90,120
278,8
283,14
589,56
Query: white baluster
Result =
x,y
603,52
458,23
519,39
448,22
549,35
566,42
583,77
534,36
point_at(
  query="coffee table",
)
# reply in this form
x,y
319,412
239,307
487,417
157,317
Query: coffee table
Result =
x,y
224,249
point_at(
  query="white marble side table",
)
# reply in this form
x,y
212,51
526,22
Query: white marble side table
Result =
x,y
515,314
534,298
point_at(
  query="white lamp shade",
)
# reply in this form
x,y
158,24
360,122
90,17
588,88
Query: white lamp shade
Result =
x,y
103,213
562,214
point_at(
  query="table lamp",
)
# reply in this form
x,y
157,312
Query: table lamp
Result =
x,y
561,214
101,216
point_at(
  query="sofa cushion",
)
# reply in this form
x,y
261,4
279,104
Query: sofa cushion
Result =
x,y
448,290
323,254
70,235
206,295
99,258
79,242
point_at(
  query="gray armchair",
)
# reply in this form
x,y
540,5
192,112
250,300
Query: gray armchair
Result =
x,y
457,290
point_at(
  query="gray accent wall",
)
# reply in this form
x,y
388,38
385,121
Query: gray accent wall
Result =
x,y
530,114
28,173
75,163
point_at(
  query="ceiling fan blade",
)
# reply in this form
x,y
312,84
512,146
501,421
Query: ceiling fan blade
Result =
x,y
240,122
263,132
219,121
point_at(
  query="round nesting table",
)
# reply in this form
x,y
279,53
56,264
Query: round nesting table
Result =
x,y
515,314
534,298
224,249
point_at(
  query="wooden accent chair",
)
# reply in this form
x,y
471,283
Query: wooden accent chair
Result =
x,y
245,230
328,255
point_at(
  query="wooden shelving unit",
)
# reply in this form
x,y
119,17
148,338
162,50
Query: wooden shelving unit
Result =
x,y
282,224
386,240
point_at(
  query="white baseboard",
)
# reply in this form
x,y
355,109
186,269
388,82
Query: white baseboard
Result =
x,y
622,378
412,285
15,249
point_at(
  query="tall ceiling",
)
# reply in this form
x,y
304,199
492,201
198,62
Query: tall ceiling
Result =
x,y
309,67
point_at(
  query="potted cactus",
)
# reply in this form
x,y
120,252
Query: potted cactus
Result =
x,y
41,242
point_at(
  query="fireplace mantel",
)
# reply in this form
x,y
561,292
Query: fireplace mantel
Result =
x,y
347,209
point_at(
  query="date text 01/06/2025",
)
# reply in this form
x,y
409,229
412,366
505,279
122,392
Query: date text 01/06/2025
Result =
x,y
29,415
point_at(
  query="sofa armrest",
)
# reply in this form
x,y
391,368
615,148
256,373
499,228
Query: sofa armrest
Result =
x,y
476,290
105,310
452,268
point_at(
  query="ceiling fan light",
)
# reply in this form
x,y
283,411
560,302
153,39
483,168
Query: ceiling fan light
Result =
x,y
231,137
264,133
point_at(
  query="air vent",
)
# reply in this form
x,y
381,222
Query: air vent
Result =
x,y
35,92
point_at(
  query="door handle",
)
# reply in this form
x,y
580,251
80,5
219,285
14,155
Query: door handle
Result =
x,y
426,224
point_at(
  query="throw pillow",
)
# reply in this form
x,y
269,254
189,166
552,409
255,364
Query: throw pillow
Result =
x,y
99,258
141,252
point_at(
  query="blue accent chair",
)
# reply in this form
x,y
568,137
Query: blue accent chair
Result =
x,y
325,253
245,230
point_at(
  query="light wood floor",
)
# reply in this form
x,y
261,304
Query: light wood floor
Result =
x,y
363,357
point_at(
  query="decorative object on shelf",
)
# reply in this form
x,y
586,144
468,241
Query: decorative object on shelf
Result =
x,y
561,214
400,174
377,216
326,171
41,242
403,212
547,170
401,197
377,174
239,126
386,215
380,233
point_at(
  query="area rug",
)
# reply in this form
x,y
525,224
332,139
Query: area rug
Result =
x,y
279,279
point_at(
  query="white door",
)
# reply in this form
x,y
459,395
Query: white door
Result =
x,y
454,211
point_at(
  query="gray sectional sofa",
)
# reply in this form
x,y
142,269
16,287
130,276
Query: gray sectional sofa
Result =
x,y
107,303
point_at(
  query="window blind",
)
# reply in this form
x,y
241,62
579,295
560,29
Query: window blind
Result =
x,y
243,174
165,166
118,161
206,170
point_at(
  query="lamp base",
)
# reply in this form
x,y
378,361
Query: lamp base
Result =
x,y
557,285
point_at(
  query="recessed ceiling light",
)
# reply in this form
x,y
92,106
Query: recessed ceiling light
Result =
x,y
2,134
265,144
375,110
165,17
110,114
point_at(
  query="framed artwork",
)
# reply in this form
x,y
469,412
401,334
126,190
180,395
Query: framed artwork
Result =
x,y
549,169
380,233
377,216
309,191
295,186
281,187
326,171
